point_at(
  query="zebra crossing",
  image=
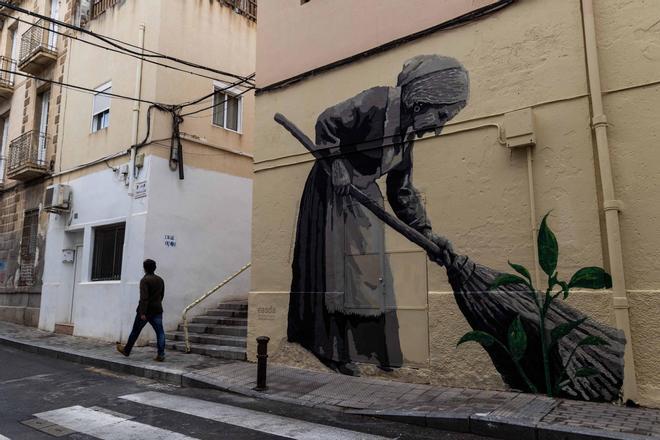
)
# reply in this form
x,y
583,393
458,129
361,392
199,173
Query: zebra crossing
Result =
x,y
104,424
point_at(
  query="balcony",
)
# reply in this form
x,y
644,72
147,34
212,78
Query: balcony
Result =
x,y
247,8
100,6
7,69
37,48
27,156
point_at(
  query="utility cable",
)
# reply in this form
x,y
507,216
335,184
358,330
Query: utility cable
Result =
x,y
147,60
218,103
119,45
80,88
222,89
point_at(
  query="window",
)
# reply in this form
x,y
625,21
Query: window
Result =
x,y
41,124
227,107
108,252
101,108
4,144
28,248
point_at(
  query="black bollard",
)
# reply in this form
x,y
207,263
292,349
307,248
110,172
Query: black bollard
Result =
x,y
262,362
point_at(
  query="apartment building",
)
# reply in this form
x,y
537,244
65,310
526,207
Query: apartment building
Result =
x,y
152,160
30,115
516,109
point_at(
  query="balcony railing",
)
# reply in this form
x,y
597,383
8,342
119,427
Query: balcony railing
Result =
x,y
38,47
100,6
7,69
244,7
27,156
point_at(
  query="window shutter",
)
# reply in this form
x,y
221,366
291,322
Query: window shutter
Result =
x,y
101,102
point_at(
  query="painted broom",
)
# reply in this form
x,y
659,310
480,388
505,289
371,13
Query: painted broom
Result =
x,y
493,311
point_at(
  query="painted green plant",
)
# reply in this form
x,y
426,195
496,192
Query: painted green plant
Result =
x,y
516,344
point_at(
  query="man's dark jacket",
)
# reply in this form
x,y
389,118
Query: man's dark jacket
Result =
x,y
152,291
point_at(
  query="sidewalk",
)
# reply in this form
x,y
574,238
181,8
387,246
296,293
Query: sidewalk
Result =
x,y
494,413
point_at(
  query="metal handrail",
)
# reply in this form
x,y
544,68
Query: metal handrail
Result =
x,y
202,298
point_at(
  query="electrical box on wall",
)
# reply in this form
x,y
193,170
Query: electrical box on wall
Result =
x,y
519,128
68,255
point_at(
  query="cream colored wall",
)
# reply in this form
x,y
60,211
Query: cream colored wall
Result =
x,y
213,35
208,33
90,67
320,32
629,42
530,54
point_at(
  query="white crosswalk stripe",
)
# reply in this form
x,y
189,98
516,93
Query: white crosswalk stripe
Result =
x,y
106,426
246,418
2,437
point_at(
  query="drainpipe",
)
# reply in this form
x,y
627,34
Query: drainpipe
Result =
x,y
611,205
131,174
136,115
532,213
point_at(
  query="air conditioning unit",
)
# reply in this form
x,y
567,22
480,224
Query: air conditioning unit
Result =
x,y
57,198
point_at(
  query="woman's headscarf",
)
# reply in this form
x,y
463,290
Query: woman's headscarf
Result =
x,y
433,79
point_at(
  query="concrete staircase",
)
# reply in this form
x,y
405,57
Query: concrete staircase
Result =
x,y
220,333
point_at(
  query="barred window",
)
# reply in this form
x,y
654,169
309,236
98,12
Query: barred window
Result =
x,y
108,252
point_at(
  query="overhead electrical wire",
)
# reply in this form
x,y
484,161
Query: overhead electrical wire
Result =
x,y
81,88
217,103
111,41
146,60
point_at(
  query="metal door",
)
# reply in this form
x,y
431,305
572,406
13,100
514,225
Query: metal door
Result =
x,y
77,267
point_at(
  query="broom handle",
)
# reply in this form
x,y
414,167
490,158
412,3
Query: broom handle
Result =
x,y
410,233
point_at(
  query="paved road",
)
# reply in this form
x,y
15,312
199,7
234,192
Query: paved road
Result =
x,y
40,396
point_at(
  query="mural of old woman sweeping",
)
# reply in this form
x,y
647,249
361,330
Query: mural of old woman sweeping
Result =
x,y
341,308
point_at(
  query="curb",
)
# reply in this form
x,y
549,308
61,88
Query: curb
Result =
x,y
455,421
164,374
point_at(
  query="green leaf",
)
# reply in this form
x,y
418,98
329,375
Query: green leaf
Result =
x,y
564,329
548,248
477,336
592,340
505,279
517,339
522,270
564,288
586,372
591,278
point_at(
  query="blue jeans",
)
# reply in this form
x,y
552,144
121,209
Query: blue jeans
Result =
x,y
156,322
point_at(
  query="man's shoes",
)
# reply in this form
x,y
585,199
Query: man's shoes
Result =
x,y
159,358
120,348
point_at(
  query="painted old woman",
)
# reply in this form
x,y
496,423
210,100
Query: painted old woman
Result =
x,y
342,305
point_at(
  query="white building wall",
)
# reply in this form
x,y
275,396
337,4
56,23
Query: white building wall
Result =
x,y
101,308
208,213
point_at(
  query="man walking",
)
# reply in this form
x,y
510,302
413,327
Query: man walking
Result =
x,y
150,309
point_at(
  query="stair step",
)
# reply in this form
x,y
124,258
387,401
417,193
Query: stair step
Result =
x,y
219,320
233,306
228,330
197,338
227,313
218,351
